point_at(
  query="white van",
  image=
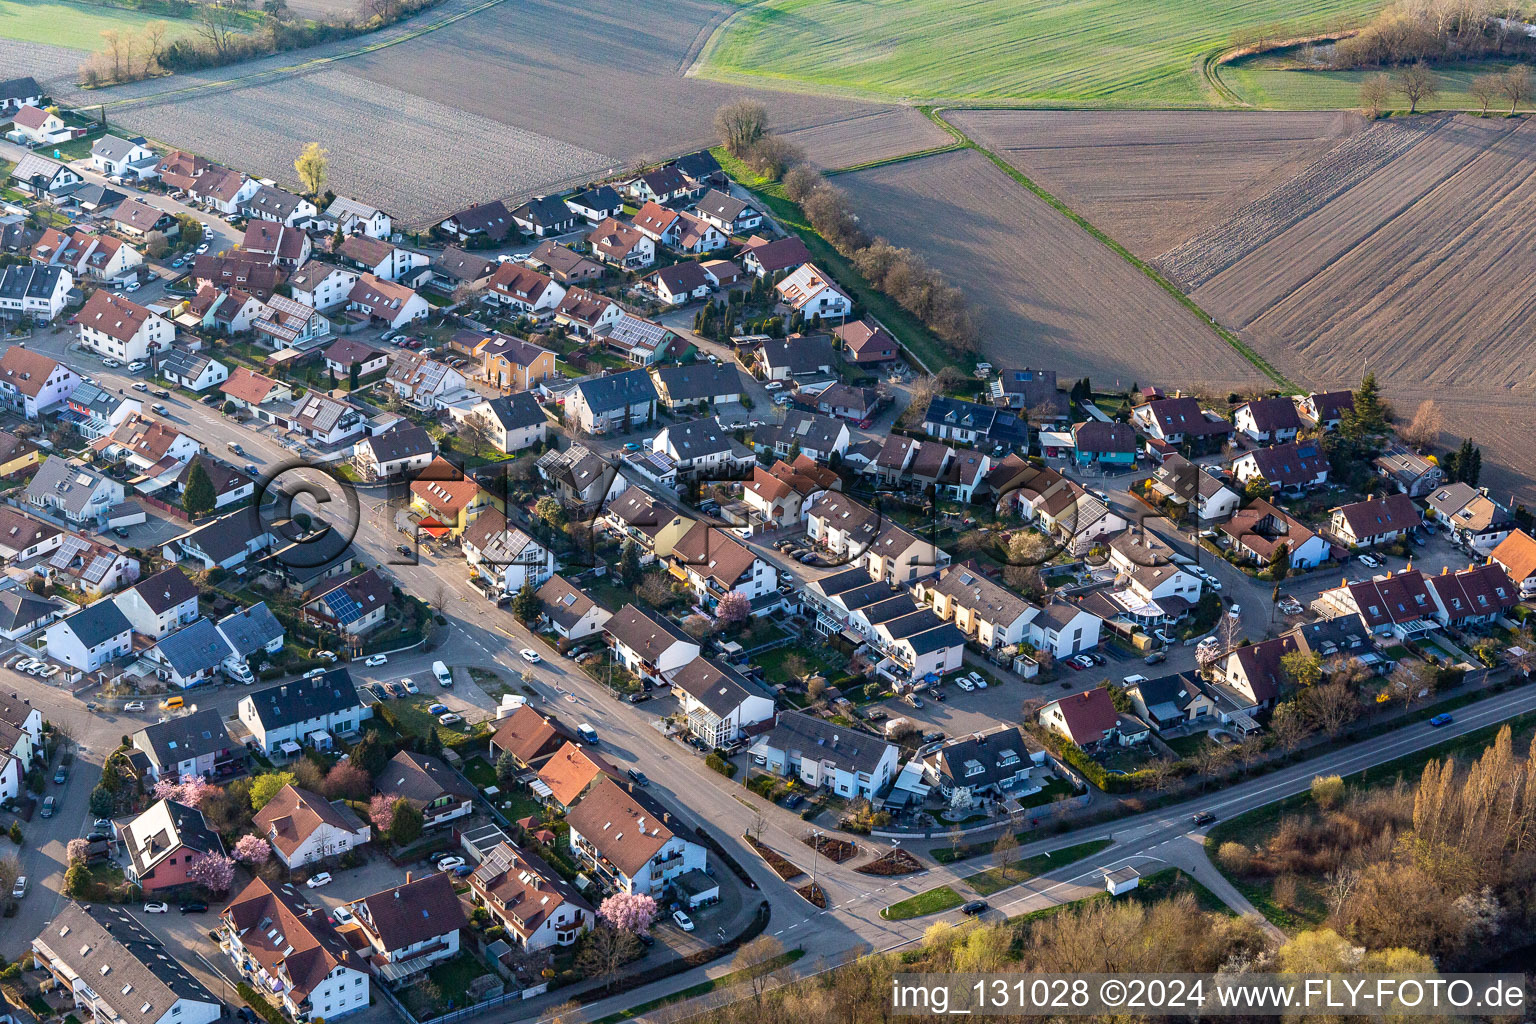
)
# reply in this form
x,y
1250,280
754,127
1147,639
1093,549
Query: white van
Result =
x,y
1133,680
444,677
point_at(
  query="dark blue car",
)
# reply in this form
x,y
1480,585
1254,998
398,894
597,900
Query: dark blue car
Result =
x,y
1443,718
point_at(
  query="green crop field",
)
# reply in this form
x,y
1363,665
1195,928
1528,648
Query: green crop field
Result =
x,y
1110,52
1275,81
78,26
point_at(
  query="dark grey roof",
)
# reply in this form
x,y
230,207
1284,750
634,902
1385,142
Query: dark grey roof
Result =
x,y
973,590
958,414
801,734
984,759
516,411
421,779
806,429
190,736
91,194
303,699
721,206
401,441
605,394
184,363
97,623
196,647
843,582
166,589
545,212
698,165
109,937
697,439
111,147
563,602
21,608
491,218
644,633
225,536
947,635
1171,689
274,202
699,380
915,621
601,198
808,353
718,687
250,629
23,88
679,278
29,281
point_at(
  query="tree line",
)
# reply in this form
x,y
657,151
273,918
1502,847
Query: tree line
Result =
x,y
1432,30
897,272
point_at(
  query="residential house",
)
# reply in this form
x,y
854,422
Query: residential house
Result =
x,y
1254,673
305,828
195,371
1104,444
1268,420
272,203
525,290
766,259
410,927
654,527
38,127
82,945
151,447
1411,473
31,383
427,784
529,899
696,236
1471,518
1263,533
159,605
569,611
189,656
596,204
701,170
679,283
866,343
842,526
91,637
34,292
95,198
283,945
987,612
731,215
456,269
582,478
954,419
564,264
584,314
71,489
1376,521
228,542
783,494
490,221
111,325
263,396
384,260
528,736
285,716
163,843
386,302
1181,422
1170,702
722,274
88,566
445,495
326,422
38,176
345,353
804,433
663,185
1063,629
798,355
23,537
1292,467
1033,391
1184,483
252,632
511,422
920,644
18,455
504,554
648,645
401,449
827,756
424,383
640,341
322,286
722,705
351,217
622,245
897,556
697,384
95,257
137,218
1089,720
1473,596
702,447
352,607
811,293
848,402
1516,555
627,842
284,323
1325,409
1398,604
1001,764
515,364
613,403
223,189
23,612
193,744
16,93
281,245
712,563
543,216
244,275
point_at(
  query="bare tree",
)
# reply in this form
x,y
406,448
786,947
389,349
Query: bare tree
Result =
x,y
1332,706
756,959
1417,83
154,44
1375,94
604,950
1515,84
759,823
217,22
113,45
1338,888
474,434
740,124
1426,426
1003,850
1484,88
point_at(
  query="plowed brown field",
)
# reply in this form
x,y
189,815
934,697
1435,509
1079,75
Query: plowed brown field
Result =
x,y
1153,178
869,135
1047,293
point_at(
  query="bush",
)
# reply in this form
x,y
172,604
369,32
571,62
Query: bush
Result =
x,y
1234,857
1327,790
720,764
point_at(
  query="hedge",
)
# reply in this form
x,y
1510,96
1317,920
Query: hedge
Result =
x,y
720,764
268,1012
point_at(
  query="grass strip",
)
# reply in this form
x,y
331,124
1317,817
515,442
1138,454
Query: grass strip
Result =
x,y
995,880
1241,347
932,901
705,987
918,341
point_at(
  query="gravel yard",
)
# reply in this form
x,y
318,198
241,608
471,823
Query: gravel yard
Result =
x,y
419,158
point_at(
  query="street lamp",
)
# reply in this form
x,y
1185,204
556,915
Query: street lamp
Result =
x,y
815,856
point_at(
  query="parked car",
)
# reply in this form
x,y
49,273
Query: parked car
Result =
x,y
437,709
20,888
139,385
965,684
111,364
326,655
314,673
973,908
121,532
194,907
136,365
161,393
913,700
449,719
343,915
374,661
977,679
449,863
409,686
212,399
1156,657
683,920
60,776
157,907
316,881
250,469
134,705
49,804
639,777
774,385
102,824
1370,560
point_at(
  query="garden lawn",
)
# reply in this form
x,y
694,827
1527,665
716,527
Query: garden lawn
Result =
x,y
453,977
773,662
478,771
934,901
1110,52
993,880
